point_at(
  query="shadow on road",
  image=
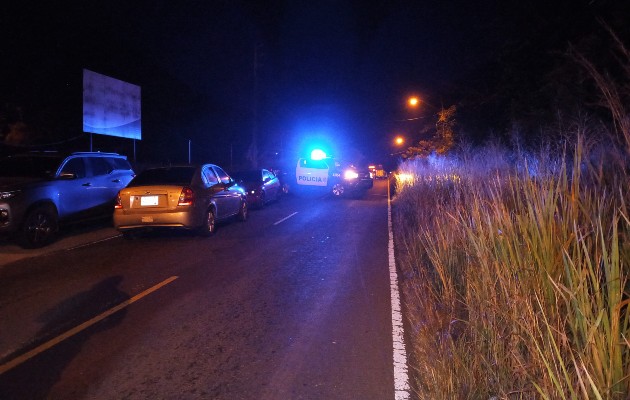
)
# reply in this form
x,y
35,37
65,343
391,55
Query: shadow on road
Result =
x,y
35,378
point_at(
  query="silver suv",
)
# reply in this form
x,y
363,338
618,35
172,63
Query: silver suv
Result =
x,y
40,191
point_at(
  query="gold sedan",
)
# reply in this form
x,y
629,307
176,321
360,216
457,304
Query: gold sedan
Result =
x,y
189,197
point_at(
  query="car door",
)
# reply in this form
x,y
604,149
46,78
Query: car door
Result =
x,y
311,172
215,187
73,188
104,186
226,198
272,184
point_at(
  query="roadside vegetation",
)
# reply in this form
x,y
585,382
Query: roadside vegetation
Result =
x,y
515,264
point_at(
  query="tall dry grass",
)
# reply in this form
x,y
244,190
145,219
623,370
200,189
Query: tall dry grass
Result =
x,y
515,273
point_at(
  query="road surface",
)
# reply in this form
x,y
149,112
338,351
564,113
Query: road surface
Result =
x,y
292,304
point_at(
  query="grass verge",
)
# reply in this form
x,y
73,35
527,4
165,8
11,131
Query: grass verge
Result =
x,y
515,273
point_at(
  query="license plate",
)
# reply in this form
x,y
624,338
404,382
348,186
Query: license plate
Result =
x,y
147,219
149,201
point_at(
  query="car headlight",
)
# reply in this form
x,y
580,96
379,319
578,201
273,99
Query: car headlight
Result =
x,y
350,174
8,195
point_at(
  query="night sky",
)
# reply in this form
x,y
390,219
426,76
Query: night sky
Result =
x,y
218,72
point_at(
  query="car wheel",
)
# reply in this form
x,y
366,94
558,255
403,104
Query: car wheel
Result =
x,y
39,228
338,189
285,188
209,225
242,213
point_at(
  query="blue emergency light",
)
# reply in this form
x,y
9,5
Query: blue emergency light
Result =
x,y
318,154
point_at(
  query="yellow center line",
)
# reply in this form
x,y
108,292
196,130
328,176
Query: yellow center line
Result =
x,y
53,342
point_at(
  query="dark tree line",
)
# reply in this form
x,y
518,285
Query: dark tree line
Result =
x,y
538,82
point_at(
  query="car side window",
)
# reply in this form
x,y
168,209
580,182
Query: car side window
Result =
x,y
74,166
210,176
100,166
223,176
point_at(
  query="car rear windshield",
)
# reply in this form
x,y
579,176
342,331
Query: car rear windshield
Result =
x,y
119,163
165,176
30,167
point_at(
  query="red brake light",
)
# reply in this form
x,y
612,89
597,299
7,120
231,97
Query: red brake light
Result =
x,y
118,204
185,197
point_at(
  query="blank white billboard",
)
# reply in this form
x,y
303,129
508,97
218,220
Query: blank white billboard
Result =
x,y
110,106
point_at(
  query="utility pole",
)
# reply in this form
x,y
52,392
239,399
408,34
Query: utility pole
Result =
x,y
253,147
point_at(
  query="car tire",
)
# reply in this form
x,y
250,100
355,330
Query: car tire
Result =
x,y
209,225
338,189
242,212
40,227
285,189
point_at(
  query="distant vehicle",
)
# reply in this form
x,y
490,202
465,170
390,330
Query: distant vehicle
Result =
x,y
372,169
188,197
39,191
379,172
262,186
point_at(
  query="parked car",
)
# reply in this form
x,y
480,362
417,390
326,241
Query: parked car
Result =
x,y
262,186
39,191
193,197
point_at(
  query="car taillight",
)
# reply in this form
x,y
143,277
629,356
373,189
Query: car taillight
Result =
x,y
185,197
118,204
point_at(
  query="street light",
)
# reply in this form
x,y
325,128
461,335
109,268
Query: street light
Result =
x,y
399,140
413,101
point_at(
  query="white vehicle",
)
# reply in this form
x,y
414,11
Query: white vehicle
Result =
x,y
309,172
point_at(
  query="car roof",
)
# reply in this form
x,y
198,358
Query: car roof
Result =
x,y
62,154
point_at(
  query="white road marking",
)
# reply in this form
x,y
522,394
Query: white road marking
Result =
x,y
401,376
53,342
285,218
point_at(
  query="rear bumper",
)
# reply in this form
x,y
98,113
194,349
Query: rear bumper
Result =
x,y
124,221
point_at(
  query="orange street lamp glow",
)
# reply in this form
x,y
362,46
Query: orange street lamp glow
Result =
x,y
399,140
413,101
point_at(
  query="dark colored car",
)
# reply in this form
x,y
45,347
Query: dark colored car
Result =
x,y
262,186
193,197
285,180
350,179
39,191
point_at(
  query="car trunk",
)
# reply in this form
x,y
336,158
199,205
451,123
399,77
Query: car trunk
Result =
x,y
151,198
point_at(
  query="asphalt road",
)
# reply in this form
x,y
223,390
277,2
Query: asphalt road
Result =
x,y
292,304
